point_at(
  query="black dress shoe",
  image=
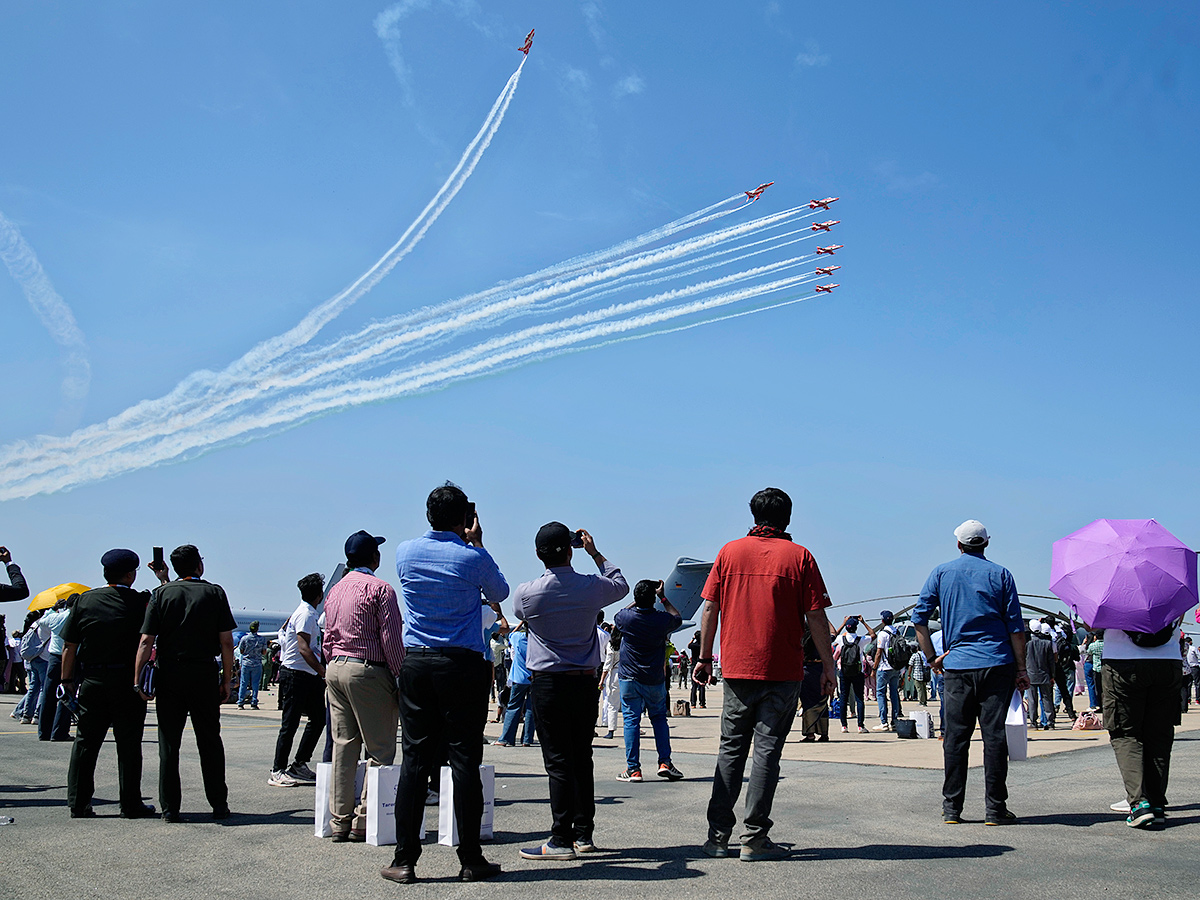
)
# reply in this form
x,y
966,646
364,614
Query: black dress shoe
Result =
x,y
85,812
170,816
399,874
222,813
480,871
138,812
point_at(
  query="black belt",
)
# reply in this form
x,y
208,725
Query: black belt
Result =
x,y
590,673
443,651
354,659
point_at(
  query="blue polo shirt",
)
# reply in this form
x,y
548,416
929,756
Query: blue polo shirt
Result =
x,y
441,580
979,610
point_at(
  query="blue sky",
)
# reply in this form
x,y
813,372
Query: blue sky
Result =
x,y
1013,338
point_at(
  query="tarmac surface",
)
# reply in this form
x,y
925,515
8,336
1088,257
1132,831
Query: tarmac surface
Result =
x,y
869,829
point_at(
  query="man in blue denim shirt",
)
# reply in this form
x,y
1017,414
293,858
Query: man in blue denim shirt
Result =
x,y
984,662
445,675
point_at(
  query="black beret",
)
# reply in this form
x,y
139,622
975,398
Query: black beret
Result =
x,y
119,562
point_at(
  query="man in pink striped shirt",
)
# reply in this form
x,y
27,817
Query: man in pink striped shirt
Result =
x,y
363,648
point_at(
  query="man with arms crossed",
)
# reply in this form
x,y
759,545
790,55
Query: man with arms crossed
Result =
x,y
984,662
765,591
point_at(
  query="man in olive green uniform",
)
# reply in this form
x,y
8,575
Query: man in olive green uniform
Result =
x,y
190,621
100,640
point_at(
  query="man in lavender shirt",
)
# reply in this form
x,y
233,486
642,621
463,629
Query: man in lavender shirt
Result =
x,y
563,660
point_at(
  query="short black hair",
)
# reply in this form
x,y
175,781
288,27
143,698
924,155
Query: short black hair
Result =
x,y
185,560
312,587
771,506
644,593
446,507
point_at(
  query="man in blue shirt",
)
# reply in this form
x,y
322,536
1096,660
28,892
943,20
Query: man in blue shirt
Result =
x,y
984,662
445,677
642,674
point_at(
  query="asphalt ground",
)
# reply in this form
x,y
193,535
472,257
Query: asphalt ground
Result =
x,y
858,830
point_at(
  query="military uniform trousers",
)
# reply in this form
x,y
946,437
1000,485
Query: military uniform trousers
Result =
x,y
107,700
190,689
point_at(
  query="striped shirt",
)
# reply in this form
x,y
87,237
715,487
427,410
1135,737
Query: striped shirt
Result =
x,y
362,619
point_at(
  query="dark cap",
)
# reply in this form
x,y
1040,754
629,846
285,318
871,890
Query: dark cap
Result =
x,y
119,562
362,543
553,539
886,616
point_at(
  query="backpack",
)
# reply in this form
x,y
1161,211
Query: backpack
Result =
x,y
899,651
852,658
31,644
1068,650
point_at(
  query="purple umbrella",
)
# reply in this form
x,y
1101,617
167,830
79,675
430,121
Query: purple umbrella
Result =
x,y
1124,573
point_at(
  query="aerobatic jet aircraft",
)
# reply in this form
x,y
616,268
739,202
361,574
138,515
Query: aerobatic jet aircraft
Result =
x,y
826,288
825,226
831,249
757,192
825,270
822,204
528,43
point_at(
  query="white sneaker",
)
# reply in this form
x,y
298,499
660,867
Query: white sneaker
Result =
x,y
1120,806
881,728
282,779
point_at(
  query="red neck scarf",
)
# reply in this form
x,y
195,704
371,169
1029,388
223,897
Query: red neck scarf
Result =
x,y
769,531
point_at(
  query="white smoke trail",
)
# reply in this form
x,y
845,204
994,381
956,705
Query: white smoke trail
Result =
x,y
623,321
208,392
54,314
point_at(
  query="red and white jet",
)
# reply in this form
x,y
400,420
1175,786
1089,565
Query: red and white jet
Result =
x,y
825,270
825,226
822,204
831,249
528,43
826,288
757,192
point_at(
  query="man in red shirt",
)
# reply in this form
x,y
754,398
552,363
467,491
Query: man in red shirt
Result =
x,y
765,591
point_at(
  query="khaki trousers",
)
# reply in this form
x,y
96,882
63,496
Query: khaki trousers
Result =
x,y
364,709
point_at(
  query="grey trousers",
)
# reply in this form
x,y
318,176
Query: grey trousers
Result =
x,y
1141,710
762,711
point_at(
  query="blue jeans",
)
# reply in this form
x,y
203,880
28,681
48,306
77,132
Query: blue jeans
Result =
x,y
248,683
519,702
652,698
1089,678
35,676
887,685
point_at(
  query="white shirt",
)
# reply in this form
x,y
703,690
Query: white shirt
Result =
x,y
1118,645
305,619
1193,657
883,640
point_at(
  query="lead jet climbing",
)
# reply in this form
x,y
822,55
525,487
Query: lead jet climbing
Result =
x,y
757,192
528,43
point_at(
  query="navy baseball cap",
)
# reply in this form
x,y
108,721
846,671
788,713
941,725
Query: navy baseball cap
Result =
x,y
361,543
886,616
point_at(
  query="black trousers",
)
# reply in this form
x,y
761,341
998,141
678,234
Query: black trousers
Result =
x,y
187,689
107,700
565,711
981,695
54,723
443,708
303,695
1141,710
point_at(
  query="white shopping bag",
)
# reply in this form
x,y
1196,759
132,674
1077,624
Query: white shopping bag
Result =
x,y
447,825
1017,729
924,723
381,806
321,805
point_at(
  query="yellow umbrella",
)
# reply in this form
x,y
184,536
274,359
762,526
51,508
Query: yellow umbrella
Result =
x,y
50,596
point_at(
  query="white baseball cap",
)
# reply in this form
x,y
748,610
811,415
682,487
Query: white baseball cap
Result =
x,y
971,533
